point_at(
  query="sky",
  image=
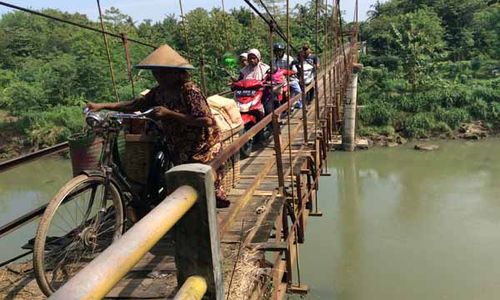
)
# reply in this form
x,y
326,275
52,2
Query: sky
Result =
x,y
157,9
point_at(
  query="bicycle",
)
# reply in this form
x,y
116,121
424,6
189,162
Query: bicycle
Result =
x,y
88,212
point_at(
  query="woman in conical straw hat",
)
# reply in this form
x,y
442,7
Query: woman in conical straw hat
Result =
x,y
190,129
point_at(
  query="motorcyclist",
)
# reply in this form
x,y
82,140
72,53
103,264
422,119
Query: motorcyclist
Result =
x,y
255,69
284,61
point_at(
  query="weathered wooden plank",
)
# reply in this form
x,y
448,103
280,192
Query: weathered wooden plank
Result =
x,y
269,246
239,192
161,287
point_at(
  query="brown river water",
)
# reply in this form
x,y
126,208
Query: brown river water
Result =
x,y
402,224
397,223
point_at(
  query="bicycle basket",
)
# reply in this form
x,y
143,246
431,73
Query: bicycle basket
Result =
x,y
85,151
138,156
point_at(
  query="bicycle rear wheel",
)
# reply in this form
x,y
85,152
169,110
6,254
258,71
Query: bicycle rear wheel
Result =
x,y
82,220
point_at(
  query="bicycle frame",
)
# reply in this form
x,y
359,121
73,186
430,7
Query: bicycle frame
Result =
x,y
112,170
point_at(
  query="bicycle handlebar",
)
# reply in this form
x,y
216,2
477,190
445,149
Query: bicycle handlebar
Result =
x,y
96,119
142,115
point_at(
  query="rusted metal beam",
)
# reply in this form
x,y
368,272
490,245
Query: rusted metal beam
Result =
x,y
21,221
202,76
277,151
8,164
300,203
127,60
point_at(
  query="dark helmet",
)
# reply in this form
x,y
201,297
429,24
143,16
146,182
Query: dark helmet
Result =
x,y
278,46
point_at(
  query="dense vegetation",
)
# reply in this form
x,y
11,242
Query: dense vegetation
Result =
x,y
431,65
48,70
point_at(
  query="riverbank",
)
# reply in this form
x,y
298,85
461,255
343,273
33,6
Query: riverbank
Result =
x,y
11,142
474,131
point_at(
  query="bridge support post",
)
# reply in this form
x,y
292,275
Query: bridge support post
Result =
x,y
277,151
197,245
349,129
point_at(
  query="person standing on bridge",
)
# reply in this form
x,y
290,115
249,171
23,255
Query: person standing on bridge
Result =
x,y
187,122
283,61
309,65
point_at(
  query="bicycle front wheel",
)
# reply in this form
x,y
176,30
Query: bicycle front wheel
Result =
x,y
82,220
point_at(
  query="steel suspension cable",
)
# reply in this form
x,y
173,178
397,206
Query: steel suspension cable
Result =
x,y
356,12
356,22
334,55
225,26
108,54
83,26
316,104
341,34
270,15
184,27
129,65
289,97
333,31
269,22
326,35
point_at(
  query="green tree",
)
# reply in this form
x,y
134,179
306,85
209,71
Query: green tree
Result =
x,y
486,31
418,37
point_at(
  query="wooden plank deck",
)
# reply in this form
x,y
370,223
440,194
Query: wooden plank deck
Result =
x,y
250,227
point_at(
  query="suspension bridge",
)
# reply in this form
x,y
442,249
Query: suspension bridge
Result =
x,y
249,250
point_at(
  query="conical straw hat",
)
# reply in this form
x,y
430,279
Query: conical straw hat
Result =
x,y
164,57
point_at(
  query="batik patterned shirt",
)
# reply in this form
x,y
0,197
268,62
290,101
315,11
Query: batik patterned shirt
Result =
x,y
186,144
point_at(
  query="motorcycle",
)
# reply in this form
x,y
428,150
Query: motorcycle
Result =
x,y
249,95
252,96
279,92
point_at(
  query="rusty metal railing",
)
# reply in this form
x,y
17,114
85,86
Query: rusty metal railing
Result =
x,y
11,163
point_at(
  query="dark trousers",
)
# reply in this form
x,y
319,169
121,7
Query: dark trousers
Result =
x,y
310,96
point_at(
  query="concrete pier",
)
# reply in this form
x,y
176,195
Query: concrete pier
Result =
x,y
350,103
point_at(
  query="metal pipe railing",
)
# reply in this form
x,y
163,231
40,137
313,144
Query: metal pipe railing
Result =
x,y
11,163
194,288
103,273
